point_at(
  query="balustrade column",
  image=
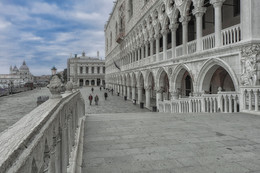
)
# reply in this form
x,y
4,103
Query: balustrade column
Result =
x,y
53,157
199,12
164,33
256,99
230,103
185,21
133,93
157,37
235,104
217,4
148,96
140,95
226,104
250,100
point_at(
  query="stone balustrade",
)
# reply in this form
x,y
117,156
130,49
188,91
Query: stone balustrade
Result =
x,y
250,98
226,102
46,139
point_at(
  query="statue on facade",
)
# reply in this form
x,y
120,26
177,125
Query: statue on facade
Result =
x,y
248,62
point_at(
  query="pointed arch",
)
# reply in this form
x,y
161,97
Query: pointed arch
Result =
x,y
208,69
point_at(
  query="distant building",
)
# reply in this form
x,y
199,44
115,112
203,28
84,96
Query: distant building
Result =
x,y
86,71
17,76
42,80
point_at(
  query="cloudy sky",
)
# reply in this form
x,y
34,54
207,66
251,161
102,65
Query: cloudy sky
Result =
x,y
45,32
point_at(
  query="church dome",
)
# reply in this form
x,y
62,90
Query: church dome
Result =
x,y
24,67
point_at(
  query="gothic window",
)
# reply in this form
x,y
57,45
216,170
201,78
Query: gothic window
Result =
x,y
92,69
86,69
98,70
81,70
104,70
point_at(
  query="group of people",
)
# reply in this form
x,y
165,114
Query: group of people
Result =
x,y
96,98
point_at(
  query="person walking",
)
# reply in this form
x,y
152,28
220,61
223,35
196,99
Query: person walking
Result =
x,y
100,88
105,95
112,91
92,89
90,97
96,99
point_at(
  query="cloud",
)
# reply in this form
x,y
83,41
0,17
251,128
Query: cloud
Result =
x,y
45,33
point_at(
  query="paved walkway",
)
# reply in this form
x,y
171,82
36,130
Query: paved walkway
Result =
x,y
113,104
14,107
179,143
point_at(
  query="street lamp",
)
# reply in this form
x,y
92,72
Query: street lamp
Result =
x,y
53,70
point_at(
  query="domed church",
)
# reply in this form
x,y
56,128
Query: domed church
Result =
x,y
23,72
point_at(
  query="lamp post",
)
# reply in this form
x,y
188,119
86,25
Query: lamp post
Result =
x,y
53,70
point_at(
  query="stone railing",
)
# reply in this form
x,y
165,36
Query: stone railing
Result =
x,y
46,139
192,46
208,42
250,99
169,53
231,35
179,50
226,102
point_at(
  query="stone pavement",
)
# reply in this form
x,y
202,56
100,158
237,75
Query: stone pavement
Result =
x,y
179,143
113,104
14,107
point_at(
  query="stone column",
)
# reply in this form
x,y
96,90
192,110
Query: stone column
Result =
x,y
256,99
157,37
151,46
164,33
58,160
133,93
142,52
217,4
125,93
64,151
146,49
185,20
148,97
138,54
140,94
173,28
199,12
128,92
158,98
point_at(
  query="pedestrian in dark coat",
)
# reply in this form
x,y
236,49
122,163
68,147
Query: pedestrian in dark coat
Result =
x,y
92,89
112,91
105,95
96,99
90,97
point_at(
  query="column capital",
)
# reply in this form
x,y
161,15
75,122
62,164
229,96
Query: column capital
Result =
x,y
185,20
217,3
148,88
199,11
157,36
164,32
174,27
151,39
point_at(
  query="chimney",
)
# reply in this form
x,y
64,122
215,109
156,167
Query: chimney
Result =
x,y
76,55
83,53
98,54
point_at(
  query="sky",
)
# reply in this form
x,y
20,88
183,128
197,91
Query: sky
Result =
x,y
45,33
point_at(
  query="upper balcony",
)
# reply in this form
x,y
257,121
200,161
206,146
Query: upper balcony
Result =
x,y
229,36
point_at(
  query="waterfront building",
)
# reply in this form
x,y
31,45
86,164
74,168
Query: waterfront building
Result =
x,y
86,71
17,76
185,55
